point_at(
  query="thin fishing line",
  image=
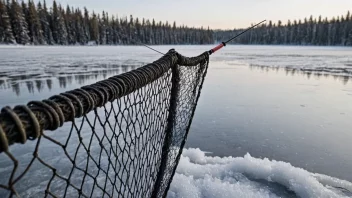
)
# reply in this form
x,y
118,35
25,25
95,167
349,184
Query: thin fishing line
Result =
x,y
152,48
245,31
221,45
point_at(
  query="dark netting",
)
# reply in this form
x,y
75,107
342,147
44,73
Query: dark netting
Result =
x,y
121,137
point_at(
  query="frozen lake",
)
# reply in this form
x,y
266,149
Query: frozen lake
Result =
x,y
289,104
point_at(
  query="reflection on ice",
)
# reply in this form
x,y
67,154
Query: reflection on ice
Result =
x,y
39,82
337,73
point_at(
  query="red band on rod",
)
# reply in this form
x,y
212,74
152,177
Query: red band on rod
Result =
x,y
217,47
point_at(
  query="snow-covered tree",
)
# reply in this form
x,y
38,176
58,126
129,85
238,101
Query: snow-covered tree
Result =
x,y
35,26
70,26
102,29
44,19
6,35
27,23
94,28
58,26
114,27
86,26
19,24
81,36
109,30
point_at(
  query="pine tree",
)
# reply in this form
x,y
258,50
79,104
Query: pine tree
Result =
x,y
44,17
131,31
309,30
6,35
94,28
102,29
319,32
109,31
348,35
86,26
123,31
58,26
81,36
337,38
2,26
114,26
70,26
19,24
326,32
26,16
154,33
35,25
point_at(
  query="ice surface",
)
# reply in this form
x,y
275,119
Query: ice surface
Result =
x,y
58,60
199,175
322,60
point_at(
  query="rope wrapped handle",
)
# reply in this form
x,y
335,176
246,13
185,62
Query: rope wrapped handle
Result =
x,y
25,122
221,45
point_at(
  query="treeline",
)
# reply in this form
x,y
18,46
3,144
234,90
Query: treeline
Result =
x,y
27,23
312,31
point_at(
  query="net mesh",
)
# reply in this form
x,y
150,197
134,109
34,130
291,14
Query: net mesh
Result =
x,y
121,137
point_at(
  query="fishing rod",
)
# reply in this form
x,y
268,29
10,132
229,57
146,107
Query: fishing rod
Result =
x,y
217,47
223,44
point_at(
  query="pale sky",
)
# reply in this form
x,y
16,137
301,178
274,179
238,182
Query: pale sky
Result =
x,y
224,14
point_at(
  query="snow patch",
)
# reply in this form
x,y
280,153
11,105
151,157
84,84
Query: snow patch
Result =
x,y
198,175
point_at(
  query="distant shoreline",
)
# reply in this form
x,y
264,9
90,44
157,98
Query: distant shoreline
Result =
x,y
131,45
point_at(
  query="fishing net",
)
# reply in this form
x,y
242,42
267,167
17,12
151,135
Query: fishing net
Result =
x,y
120,137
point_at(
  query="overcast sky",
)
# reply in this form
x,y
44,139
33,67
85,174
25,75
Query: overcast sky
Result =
x,y
224,14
